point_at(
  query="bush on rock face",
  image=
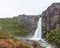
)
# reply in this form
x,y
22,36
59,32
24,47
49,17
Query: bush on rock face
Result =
x,y
54,36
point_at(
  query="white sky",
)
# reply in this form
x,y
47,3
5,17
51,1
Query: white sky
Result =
x,y
10,8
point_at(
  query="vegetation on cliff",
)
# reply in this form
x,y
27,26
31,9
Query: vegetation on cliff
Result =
x,y
11,26
54,37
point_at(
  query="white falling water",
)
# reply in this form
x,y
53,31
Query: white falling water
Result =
x,y
38,36
38,32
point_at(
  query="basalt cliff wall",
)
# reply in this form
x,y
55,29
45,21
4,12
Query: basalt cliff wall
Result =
x,y
51,17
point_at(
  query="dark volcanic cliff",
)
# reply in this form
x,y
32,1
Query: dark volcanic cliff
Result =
x,y
30,20
51,17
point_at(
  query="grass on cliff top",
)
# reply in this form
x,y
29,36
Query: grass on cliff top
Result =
x,y
12,26
54,37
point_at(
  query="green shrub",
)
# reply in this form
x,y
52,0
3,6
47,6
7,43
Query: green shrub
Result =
x,y
54,36
12,26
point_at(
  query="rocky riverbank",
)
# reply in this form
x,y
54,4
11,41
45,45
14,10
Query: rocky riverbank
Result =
x,y
8,42
33,44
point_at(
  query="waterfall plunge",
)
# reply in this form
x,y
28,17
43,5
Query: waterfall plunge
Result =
x,y
38,36
38,32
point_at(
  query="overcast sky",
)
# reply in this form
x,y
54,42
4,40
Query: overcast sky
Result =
x,y
10,8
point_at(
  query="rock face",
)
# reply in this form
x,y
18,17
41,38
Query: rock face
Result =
x,y
30,20
51,17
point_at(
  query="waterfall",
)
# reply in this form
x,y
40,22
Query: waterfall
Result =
x,y
38,36
38,32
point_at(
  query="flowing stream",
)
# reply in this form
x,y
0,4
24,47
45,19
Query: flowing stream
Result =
x,y
38,36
